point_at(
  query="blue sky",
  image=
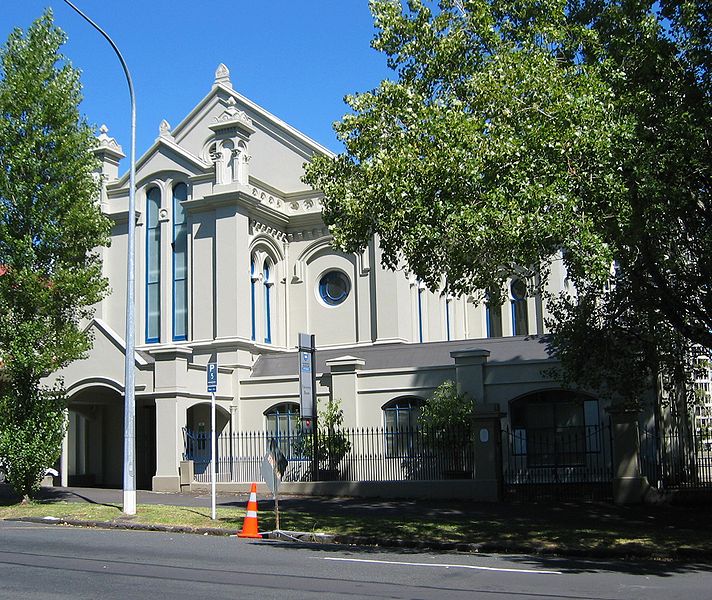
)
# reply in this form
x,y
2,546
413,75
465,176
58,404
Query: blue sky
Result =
x,y
295,58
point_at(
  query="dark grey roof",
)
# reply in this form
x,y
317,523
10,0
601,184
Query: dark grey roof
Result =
x,y
402,355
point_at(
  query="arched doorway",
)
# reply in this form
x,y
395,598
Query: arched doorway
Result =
x,y
557,444
95,438
197,441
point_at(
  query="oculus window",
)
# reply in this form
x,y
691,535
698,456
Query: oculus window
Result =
x,y
334,288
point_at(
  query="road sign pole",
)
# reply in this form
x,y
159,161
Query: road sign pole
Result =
x,y
213,445
315,410
276,500
212,372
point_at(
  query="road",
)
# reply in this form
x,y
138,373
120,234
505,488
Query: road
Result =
x,y
44,562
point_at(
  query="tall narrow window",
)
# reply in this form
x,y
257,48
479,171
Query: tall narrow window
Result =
x,y
520,318
253,280
447,318
267,282
493,313
153,266
420,313
180,264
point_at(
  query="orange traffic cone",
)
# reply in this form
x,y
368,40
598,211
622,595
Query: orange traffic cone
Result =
x,y
249,527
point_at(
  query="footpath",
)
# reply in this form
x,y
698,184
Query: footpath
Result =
x,y
575,529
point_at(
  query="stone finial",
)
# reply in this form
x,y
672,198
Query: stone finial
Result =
x,y
164,129
107,143
222,76
231,106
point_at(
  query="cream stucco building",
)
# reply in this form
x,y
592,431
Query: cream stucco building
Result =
x,y
233,262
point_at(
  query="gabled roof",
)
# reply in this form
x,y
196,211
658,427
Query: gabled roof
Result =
x,y
221,84
141,358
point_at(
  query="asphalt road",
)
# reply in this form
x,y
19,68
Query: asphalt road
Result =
x,y
44,562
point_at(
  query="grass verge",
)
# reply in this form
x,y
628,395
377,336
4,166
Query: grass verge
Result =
x,y
548,529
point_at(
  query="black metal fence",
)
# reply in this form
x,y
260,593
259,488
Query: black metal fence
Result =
x,y
374,454
678,458
559,463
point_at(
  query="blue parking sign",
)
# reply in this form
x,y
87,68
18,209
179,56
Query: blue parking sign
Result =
x,y
212,377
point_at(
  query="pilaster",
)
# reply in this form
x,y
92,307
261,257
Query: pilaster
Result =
x,y
629,485
344,385
470,372
170,420
487,433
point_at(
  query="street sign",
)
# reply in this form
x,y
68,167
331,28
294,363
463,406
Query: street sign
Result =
x,y
272,470
306,375
212,377
273,467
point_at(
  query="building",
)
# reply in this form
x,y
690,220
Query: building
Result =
x,y
233,262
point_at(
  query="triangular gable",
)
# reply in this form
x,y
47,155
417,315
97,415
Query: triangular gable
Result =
x,y
105,360
185,143
213,97
181,160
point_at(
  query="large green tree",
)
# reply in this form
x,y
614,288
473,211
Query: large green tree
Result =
x,y
518,132
50,229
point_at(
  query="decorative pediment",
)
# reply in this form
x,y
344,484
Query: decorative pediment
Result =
x,y
233,120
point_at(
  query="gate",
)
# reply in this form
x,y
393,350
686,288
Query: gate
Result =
x,y
558,463
679,458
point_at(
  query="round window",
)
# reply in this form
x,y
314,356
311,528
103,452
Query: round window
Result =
x,y
519,289
334,287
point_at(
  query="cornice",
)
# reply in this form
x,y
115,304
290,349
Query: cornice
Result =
x,y
236,198
262,227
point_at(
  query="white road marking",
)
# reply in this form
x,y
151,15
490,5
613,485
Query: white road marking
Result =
x,y
444,566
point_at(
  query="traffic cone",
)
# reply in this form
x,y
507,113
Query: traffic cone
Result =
x,y
249,527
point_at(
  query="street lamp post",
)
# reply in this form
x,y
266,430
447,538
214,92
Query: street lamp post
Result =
x,y
129,388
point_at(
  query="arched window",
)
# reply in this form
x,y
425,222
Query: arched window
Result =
x,y
267,283
153,266
253,308
241,175
227,162
400,421
282,421
180,263
493,314
520,318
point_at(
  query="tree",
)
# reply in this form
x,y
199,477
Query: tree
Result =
x,y
50,228
658,303
446,422
332,441
447,409
518,132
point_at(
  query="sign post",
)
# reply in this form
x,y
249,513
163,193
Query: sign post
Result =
x,y
273,467
307,394
212,388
